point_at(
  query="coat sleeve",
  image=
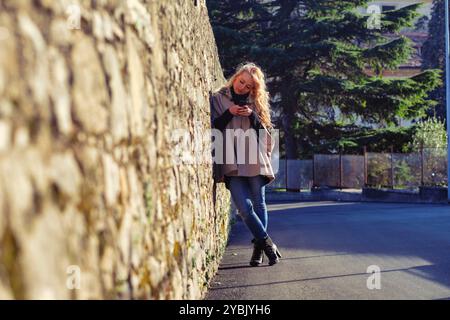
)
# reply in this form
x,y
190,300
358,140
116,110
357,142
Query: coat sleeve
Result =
x,y
222,121
213,110
219,119
255,122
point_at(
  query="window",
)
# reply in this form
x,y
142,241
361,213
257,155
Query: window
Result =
x,y
387,8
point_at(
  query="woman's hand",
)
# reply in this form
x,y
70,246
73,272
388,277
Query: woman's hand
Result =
x,y
236,110
244,111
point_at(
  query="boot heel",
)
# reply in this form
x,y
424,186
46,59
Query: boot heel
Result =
x,y
278,254
270,250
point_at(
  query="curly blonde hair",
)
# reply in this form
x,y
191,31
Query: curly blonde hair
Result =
x,y
258,92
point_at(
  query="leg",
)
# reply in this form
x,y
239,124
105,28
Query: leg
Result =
x,y
240,192
257,189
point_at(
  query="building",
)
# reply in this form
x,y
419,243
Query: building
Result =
x,y
417,35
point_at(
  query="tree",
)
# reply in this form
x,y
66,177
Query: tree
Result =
x,y
315,53
430,133
433,55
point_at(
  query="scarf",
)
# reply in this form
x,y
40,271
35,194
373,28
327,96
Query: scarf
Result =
x,y
239,99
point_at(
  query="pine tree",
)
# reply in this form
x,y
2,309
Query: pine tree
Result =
x,y
433,55
316,53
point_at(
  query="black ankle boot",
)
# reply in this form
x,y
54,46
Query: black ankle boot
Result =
x,y
258,254
270,249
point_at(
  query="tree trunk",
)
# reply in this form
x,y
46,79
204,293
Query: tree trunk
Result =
x,y
289,140
288,105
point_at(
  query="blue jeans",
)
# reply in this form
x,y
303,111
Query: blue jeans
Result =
x,y
248,194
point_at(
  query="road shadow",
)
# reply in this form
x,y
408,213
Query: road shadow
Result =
x,y
382,233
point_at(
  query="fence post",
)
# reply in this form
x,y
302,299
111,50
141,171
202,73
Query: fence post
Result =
x,y
421,164
286,173
392,167
340,169
365,166
313,172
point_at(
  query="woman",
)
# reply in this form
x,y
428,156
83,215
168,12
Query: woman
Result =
x,y
243,103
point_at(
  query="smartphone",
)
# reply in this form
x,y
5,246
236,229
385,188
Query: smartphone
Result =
x,y
241,109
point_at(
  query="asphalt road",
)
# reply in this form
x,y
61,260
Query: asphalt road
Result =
x,y
328,247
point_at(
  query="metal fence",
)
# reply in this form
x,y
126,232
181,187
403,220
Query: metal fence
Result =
x,y
427,167
294,174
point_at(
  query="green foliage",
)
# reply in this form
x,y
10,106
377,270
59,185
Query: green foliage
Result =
x,y
433,56
402,174
315,54
429,133
379,171
351,139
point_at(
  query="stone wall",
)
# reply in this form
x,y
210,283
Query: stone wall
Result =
x,y
92,203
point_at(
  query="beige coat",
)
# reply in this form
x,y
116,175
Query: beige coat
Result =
x,y
254,164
